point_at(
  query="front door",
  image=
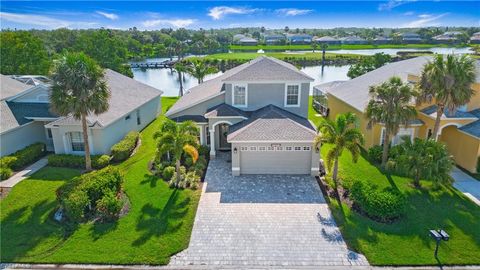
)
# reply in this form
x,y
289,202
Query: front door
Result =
x,y
223,132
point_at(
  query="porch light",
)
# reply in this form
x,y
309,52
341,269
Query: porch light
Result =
x,y
439,235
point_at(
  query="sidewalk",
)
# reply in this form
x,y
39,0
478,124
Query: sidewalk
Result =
x,y
6,185
466,184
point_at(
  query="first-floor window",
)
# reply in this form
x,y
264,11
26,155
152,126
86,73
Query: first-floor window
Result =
x,y
293,93
76,139
208,135
49,133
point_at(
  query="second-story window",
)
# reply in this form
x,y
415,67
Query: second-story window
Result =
x,y
292,95
239,95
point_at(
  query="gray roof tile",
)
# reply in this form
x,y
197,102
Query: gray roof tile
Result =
x,y
225,110
271,124
432,111
10,87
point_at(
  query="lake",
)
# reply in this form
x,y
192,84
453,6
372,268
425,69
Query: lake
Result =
x,y
167,80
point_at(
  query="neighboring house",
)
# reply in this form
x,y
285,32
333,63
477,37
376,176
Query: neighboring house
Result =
x,y
327,40
353,40
258,111
27,118
274,39
475,39
411,38
447,37
248,41
299,38
382,40
460,132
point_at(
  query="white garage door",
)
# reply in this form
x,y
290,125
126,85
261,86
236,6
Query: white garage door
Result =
x,y
275,160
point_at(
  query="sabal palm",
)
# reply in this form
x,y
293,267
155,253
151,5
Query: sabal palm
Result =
x,y
199,70
342,134
79,90
447,82
390,105
178,139
425,159
180,68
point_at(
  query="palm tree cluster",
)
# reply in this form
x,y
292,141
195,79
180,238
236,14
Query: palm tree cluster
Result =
x,y
198,69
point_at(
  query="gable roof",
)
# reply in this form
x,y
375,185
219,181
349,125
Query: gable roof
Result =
x,y
474,127
265,68
225,110
10,87
268,66
15,114
272,124
127,94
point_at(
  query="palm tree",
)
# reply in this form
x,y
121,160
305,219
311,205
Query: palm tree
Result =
x,y
423,159
390,106
199,69
342,134
180,68
314,46
448,83
324,46
79,89
177,139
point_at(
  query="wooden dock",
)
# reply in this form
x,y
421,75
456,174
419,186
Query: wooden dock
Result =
x,y
163,64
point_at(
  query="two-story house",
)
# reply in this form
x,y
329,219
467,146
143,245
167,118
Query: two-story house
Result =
x,y
459,131
258,111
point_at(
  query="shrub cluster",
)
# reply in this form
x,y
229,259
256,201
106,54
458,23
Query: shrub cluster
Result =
x,y
124,148
375,153
21,159
381,205
187,179
95,194
77,161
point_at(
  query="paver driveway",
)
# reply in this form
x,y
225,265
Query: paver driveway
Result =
x,y
263,220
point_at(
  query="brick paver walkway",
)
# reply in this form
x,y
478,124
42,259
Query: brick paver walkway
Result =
x,y
263,221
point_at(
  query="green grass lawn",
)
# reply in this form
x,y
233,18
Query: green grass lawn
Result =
x,y
158,225
280,55
337,47
406,242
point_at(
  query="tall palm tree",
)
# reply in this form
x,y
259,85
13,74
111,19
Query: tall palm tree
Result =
x,y
178,139
342,134
180,68
324,46
199,70
390,105
447,82
79,89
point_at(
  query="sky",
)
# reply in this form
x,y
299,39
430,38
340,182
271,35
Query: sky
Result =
x,y
150,15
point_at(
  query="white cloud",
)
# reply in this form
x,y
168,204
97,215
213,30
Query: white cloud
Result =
x,y
219,12
177,23
425,20
31,19
408,13
391,4
110,16
293,11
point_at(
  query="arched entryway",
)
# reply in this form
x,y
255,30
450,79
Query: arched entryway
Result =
x,y
218,136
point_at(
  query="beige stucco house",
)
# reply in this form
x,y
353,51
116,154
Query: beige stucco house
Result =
x,y
258,112
26,117
459,131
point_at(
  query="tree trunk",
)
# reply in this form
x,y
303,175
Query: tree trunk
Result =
x,y
334,176
386,145
323,57
177,168
88,161
200,80
416,180
180,79
440,109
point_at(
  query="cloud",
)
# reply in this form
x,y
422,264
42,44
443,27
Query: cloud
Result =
x,y
408,13
293,11
111,16
391,4
176,23
424,20
37,20
218,13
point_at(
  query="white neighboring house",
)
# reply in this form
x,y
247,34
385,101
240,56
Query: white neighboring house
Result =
x,y
26,117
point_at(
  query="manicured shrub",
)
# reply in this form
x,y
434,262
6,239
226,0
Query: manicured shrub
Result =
x,y
109,205
173,179
124,148
204,150
5,173
168,172
77,161
75,205
382,205
24,157
191,180
375,153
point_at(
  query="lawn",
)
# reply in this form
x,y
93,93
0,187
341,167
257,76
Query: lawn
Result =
x,y
406,242
158,225
337,47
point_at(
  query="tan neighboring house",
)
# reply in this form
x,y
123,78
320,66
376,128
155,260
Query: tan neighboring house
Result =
x,y
258,113
460,132
26,117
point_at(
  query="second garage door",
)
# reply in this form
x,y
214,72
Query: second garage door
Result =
x,y
275,160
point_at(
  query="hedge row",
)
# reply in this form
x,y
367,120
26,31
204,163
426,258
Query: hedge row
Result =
x,y
21,159
92,194
76,161
124,148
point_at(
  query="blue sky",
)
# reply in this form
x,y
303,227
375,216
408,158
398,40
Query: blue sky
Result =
x,y
212,14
